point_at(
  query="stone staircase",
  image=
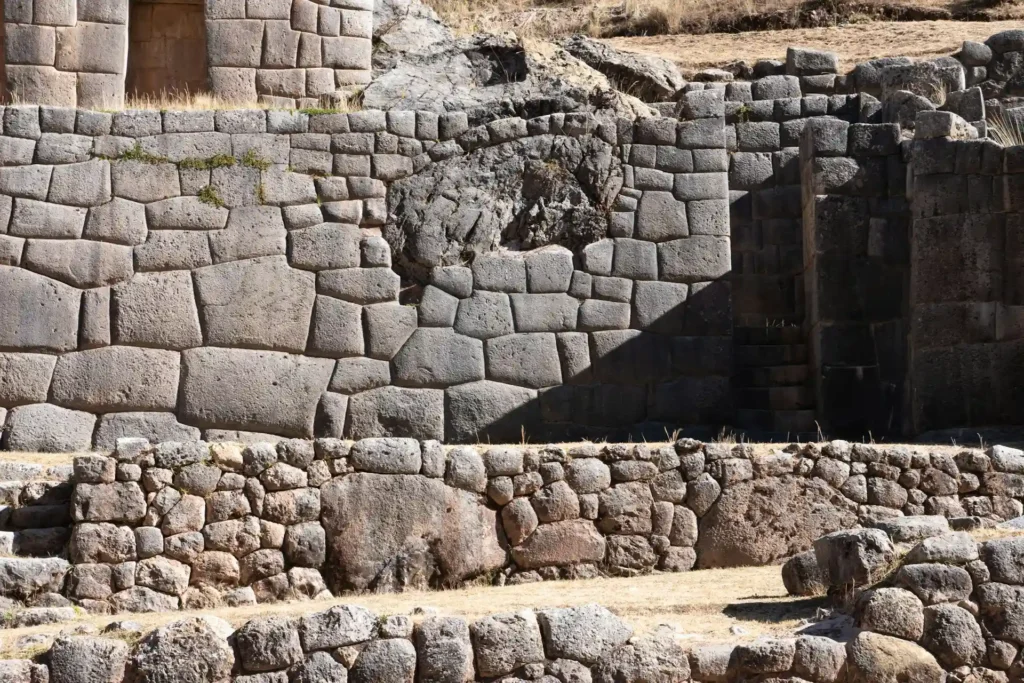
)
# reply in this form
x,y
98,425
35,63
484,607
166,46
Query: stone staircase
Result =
x,y
35,512
774,397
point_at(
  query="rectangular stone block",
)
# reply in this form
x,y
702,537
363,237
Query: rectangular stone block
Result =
x,y
30,44
268,9
103,11
95,48
173,250
95,319
357,23
280,46
698,258
233,42
346,53
233,84
702,133
42,84
690,186
39,219
54,12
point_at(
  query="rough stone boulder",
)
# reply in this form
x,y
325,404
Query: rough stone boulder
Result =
x,y
388,532
84,659
650,78
582,633
857,557
189,651
525,193
657,660
420,64
759,521
874,658
24,577
801,575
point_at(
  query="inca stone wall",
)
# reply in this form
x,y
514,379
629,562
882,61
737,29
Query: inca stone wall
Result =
x,y
856,236
76,53
196,273
193,525
965,335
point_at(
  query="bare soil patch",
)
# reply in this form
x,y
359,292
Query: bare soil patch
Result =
x,y
702,606
853,43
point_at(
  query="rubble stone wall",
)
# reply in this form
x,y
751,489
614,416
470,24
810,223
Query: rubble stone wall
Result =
x,y
195,525
224,271
966,339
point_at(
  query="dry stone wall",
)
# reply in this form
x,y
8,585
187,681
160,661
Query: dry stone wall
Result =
x,y
193,525
964,331
184,271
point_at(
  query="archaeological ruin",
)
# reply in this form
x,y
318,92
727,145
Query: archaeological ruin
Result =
x,y
381,308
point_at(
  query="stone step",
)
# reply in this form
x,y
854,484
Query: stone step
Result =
x,y
764,355
12,470
772,376
775,398
768,335
786,421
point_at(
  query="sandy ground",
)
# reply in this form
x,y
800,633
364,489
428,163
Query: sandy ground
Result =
x,y
702,606
854,43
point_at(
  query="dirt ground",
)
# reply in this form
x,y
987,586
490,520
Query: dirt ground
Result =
x,y
703,606
854,43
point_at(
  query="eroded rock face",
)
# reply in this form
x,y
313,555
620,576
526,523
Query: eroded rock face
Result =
x,y
757,522
389,532
527,193
419,63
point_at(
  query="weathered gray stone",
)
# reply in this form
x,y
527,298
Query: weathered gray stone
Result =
x,y
544,312
444,652
267,644
79,263
892,612
489,410
367,534
156,309
484,315
48,428
439,357
878,658
504,642
525,359
121,501
643,659
465,470
94,543
271,392
560,544
397,411
934,583
22,578
24,378
389,660
117,378
584,633
339,626
360,285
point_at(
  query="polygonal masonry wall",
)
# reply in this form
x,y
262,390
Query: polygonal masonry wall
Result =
x,y
193,525
224,271
284,53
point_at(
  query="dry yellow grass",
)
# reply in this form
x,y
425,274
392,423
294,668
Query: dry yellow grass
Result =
x,y
698,606
552,19
853,43
47,459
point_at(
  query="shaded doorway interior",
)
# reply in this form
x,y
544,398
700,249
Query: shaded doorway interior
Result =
x,y
167,48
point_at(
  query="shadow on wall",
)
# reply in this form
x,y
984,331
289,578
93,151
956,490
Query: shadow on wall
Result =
x,y
167,47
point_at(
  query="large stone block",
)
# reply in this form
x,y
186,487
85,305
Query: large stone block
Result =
x,y
252,231
699,258
144,182
259,303
252,390
337,328
185,213
158,310
388,327
660,306
479,411
39,219
117,378
40,313
42,84
396,411
784,526
529,360
24,378
370,538
661,217
439,357
559,544
347,53
49,429
234,43
30,44
91,47
326,246
154,427
119,221
360,285
544,312
81,263
173,250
